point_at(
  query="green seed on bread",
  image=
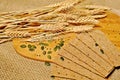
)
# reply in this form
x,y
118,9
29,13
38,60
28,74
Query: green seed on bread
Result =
x,y
31,49
42,47
23,46
44,52
43,44
49,52
48,56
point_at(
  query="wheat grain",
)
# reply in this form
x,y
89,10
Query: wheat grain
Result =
x,y
84,20
53,27
2,26
66,5
99,16
96,11
95,7
47,16
90,12
42,36
68,16
4,37
54,18
80,28
10,27
17,34
4,40
46,36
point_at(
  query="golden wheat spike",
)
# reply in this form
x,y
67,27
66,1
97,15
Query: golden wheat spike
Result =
x,y
67,5
99,16
80,28
5,40
89,12
95,7
43,36
96,11
84,20
17,34
51,27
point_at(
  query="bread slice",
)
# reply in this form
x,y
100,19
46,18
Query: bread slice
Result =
x,y
92,44
38,53
89,41
111,51
76,60
80,70
82,60
62,72
92,55
61,78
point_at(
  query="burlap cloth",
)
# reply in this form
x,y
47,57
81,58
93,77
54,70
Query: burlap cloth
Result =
x,y
15,67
